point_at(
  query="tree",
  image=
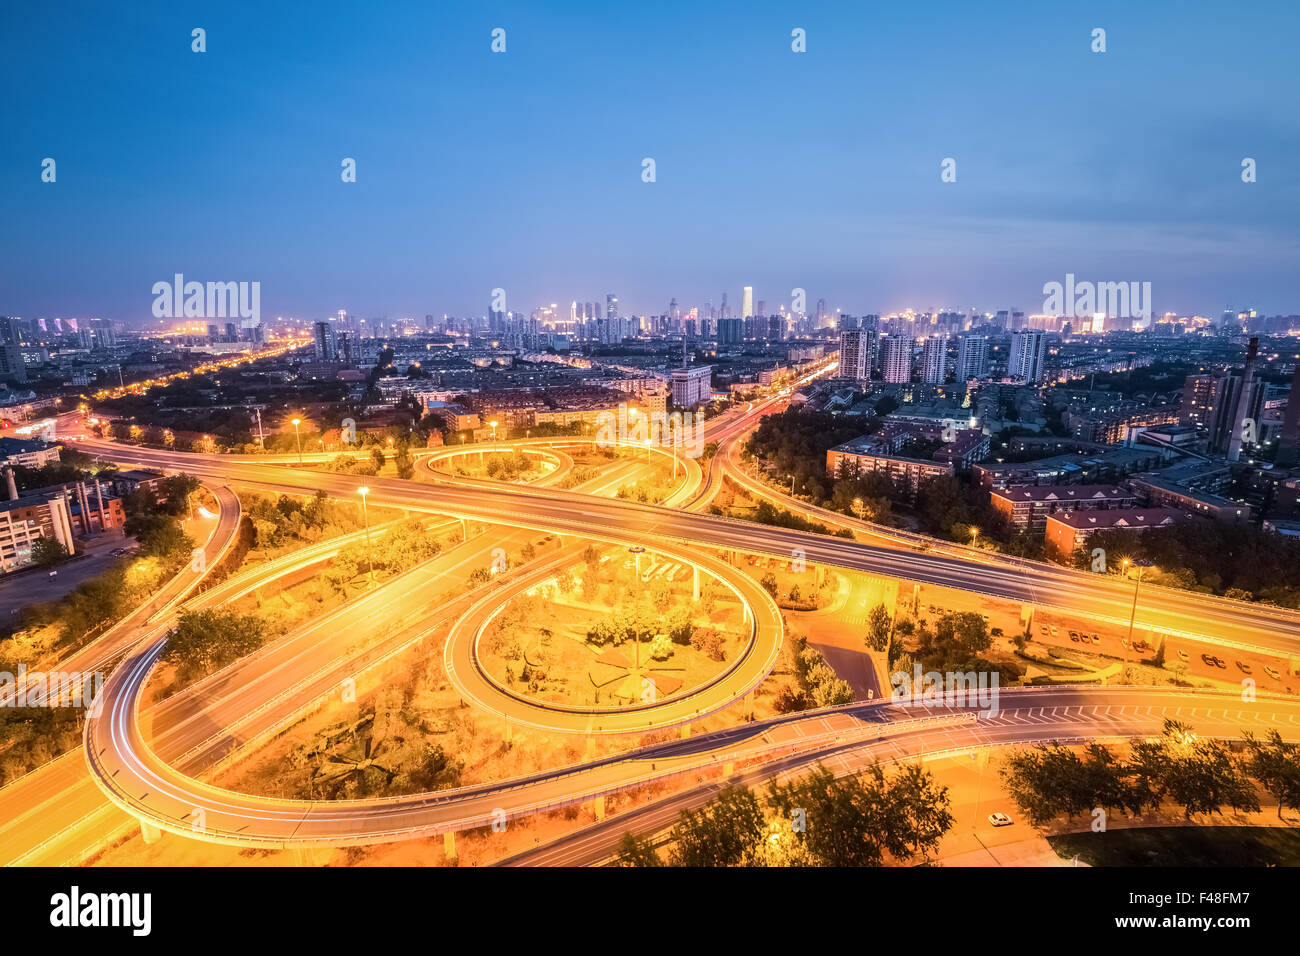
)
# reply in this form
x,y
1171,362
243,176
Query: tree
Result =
x,y
769,583
1207,779
1276,765
47,552
661,648
879,628
661,595
635,851
1050,780
858,821
404,462
724,832
206,641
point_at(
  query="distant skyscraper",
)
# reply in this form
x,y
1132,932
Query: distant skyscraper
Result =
x,y
896,359
853,355
747,303
1028,356
1288,445
327,345
730,331
972,357
934,360
611,305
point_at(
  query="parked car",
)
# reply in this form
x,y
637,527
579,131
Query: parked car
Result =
x,y
1183,654
999,819
1272,672
1243,667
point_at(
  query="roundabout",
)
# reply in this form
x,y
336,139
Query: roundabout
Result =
x,y
653,710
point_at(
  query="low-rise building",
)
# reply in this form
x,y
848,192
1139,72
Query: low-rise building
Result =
x,y
25,520
1027,507
28,453
1065,533
1163,493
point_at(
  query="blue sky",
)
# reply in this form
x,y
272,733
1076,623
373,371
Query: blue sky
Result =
x,y
523,170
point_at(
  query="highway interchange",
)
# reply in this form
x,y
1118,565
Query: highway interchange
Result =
x,y
153,776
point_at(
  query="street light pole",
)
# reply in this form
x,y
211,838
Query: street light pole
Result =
x,y
365,518
1132,618
637,551
297,438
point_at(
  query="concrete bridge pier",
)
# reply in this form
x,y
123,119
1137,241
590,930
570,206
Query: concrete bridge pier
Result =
x,y
598,806
695,584
150,832
449,845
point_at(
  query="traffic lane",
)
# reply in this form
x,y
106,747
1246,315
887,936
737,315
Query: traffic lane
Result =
x,y
238,818
269,671
559,510
1025,724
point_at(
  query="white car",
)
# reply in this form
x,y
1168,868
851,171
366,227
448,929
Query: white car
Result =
x,y
999,819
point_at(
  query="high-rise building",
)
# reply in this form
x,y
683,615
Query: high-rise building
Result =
x,y
853,355
692,385
327,345
611,305
972,357
934,360
747,303
12,366
1223,421
1288,445
730,331
1198,400
896,359
1028,359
